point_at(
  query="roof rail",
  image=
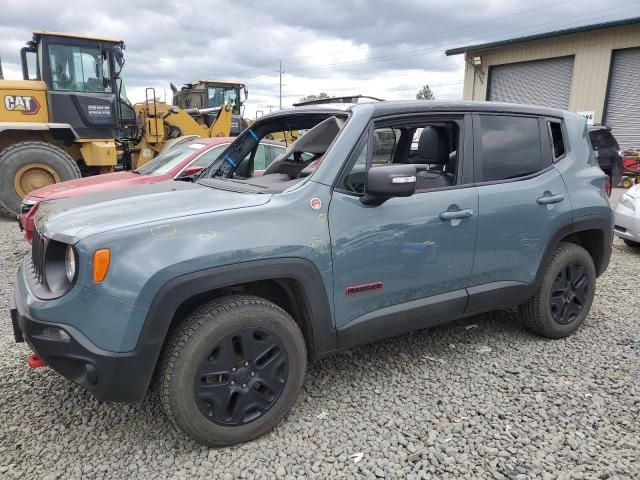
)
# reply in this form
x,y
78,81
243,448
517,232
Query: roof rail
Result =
x,y
345,99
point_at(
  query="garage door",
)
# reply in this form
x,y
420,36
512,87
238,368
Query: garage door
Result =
x,y
541,82
623,98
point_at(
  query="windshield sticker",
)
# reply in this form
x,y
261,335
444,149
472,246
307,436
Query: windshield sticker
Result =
x,y
316,203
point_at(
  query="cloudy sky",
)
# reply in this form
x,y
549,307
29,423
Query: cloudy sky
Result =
x,y
382,48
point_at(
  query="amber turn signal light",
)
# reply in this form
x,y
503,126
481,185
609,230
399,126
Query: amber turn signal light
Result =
x,y
101,259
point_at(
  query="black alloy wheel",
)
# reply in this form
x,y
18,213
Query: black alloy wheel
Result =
x,y
242,377
569,293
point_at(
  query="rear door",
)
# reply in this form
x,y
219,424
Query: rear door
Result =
x,y
522,202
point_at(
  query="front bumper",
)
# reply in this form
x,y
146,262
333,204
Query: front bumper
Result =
x,y
109,376
627,223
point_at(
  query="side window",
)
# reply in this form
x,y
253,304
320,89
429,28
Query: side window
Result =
x,y
557,141
385,141
209,156
274,152
260,162
431,146
510,147
260,159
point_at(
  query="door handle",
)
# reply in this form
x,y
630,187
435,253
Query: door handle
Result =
x,y
548,200
465,213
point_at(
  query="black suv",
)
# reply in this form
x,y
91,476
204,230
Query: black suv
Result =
x,y
607,151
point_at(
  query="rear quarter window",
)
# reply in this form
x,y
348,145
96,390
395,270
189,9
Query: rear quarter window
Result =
x,y
601,139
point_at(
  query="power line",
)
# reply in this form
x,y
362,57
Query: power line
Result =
x,y
431,34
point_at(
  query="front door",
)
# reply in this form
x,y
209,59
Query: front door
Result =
x,y
406,263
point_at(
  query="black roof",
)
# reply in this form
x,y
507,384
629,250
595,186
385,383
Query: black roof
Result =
x,y
417,106
540,36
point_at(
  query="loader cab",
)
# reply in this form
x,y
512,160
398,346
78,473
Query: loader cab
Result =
x,y
214,94
85,86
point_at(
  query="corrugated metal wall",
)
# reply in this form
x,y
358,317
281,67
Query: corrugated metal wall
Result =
x,y
540,82
623,98
592,52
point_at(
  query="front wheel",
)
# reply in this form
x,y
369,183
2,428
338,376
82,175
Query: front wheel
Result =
x,y
232,370
565,295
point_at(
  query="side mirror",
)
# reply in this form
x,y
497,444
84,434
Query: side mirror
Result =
x,y
191,171
387,181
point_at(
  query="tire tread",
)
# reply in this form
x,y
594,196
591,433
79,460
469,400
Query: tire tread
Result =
x,y
530,311
189,327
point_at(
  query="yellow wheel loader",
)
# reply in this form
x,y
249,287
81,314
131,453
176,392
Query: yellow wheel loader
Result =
x,y
213,94
70,116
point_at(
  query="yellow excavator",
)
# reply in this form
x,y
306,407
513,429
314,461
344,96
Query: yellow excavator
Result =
x,y
70,116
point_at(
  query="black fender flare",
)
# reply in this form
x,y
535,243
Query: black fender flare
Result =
x,y
173,294
601,223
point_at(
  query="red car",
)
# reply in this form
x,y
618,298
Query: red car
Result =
x,y
181,161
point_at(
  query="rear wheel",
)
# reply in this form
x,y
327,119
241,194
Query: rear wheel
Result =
x,y
232,370
27,166
565,295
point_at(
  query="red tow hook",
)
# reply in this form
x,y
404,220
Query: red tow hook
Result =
x,y
34,361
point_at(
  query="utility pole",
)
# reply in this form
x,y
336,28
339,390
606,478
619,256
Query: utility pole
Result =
x,y
280,71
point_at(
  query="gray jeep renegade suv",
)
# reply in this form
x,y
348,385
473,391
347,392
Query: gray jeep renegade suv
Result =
x,y
380,219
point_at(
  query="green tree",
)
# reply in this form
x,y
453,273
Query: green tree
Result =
x,y
425,93
310,98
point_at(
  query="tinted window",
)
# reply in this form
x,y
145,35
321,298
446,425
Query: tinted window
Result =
x,y
555,128
510,147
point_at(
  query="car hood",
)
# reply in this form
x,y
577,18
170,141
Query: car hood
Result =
x,y
72,219
634,191
93,184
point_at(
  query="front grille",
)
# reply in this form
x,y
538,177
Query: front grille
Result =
x,y
38,248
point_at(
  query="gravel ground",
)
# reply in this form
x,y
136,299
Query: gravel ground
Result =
x,y
479,398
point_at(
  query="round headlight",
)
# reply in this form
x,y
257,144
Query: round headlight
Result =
x,y
70,263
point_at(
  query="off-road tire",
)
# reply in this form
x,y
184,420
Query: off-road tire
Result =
x,y
536,312
631,243
15,156
192,341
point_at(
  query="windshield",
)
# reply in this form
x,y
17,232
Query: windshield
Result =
x,y
219,96
166,161
242,166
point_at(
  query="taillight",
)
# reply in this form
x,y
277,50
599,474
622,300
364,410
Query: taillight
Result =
x,y
607,185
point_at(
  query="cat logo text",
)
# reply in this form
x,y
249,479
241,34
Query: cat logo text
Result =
x,y
24,104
